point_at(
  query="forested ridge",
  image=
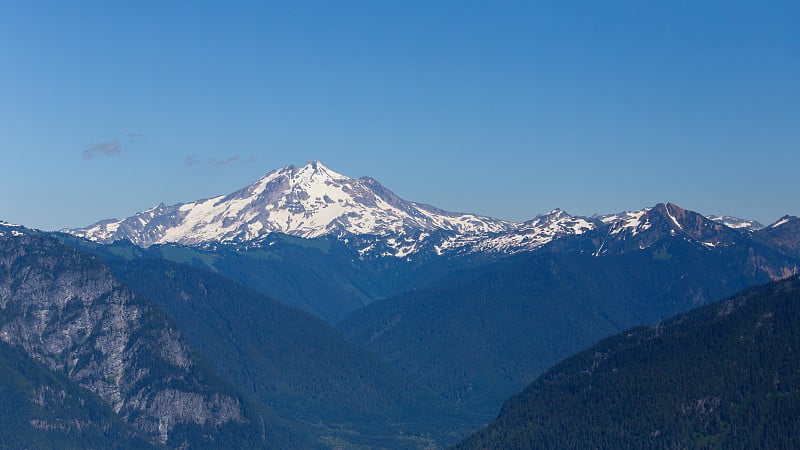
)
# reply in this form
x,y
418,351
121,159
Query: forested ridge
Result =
x,y
722,376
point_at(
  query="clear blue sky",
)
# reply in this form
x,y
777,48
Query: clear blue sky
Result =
x,y
501,108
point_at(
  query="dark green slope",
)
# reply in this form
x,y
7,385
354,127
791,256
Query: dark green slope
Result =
x,y
723,376
322,276
42,409
295,363
480,335
292,269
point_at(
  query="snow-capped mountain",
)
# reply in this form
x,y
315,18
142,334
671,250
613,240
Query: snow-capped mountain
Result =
x,y
641,229
785,220
526,236
737,223
309,201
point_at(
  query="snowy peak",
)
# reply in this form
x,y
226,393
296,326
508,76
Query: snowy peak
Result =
x,y
664,216
308,201
527,236
786,220
628,222
554,215
701,229
641,229
736,223
557,223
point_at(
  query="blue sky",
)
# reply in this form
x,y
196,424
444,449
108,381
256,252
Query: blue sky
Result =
x,y
507,109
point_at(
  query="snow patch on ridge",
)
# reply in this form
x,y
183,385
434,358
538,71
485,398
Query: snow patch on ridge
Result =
x,y
674,220
633,222
736,223
528,236
780,222
7,228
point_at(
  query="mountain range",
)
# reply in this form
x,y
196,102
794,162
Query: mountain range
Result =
x,y
359,242
314,201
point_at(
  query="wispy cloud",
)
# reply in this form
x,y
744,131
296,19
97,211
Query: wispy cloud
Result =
x,y
114,147
104,148
135,138
192,160
224,162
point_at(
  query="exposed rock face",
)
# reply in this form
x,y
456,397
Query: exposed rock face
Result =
x,y
66,310
42,409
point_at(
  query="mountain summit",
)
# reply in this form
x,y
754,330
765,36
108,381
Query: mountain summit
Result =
x,y
309,201
641,229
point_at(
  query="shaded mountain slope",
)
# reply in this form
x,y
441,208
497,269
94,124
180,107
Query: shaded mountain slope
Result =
x,y
722,376
295,363
783,235
479,335
67,311
322,276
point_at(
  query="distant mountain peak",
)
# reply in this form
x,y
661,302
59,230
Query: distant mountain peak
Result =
x,y
307,201
736,223
309,171
10,229
784,235
784,220
626,221
638,230
535,233
553,214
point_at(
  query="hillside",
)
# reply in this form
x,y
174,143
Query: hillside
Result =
x,y
66,310
479,335
322,276
294,363
783,235
722,376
